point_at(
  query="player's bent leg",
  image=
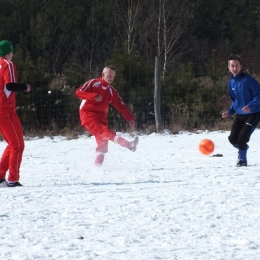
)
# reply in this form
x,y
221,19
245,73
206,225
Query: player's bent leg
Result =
x,y
102,134
100,130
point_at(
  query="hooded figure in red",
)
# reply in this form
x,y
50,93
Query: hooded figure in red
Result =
x,y
96,95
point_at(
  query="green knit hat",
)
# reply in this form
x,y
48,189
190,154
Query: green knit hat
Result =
x,y
5,48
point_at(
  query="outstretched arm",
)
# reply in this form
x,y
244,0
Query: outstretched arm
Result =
x,y
118,103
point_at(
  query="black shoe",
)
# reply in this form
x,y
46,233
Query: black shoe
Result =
x,y
241,163
2,180
14,184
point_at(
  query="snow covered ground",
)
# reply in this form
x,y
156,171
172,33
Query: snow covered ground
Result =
x,y
165,201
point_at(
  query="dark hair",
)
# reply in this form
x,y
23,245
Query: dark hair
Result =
x,y
234,57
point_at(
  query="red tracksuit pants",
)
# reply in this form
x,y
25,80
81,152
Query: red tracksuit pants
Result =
x,y
11,130
103,134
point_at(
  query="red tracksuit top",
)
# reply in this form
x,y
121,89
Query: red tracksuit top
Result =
x,y
91,109
7,75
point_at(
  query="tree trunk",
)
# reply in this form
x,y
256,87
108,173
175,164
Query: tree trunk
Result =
x,y
157,94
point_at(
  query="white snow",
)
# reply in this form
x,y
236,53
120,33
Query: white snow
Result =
x,y
165,201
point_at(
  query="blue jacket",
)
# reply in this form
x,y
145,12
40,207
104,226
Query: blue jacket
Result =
x,y
244,90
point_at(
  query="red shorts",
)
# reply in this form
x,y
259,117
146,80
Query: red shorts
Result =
x,y
102,134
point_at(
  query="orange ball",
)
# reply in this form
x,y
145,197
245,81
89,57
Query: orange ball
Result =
x,y
206,146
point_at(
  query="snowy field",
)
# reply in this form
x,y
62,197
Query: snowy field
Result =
x,y
165,201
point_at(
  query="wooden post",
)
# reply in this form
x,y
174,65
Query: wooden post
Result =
x,y
157,94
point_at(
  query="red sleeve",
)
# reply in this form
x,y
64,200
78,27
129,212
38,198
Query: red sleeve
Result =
x,y
85,91
118,103
10,72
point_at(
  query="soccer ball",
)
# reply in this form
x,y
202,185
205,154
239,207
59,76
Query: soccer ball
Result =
x,y
206,146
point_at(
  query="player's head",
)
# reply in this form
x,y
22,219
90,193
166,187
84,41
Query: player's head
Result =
x,y
108,74
6,49
234,64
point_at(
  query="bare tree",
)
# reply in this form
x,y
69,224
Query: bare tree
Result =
x,y
129,18
171,19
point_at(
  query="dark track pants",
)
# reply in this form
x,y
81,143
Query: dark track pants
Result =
x,y
242,128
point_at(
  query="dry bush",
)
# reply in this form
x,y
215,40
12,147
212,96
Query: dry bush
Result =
x,y
148,129
175,128
222,124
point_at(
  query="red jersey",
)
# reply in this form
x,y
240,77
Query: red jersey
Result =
x,y
91,109
7,75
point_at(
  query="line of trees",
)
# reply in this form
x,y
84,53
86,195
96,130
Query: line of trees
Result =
x,y
60,44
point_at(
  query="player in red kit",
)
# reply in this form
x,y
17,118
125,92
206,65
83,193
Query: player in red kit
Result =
x,y
10,126
96,95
